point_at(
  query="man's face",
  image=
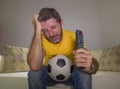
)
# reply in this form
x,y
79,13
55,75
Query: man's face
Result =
x,y
52,30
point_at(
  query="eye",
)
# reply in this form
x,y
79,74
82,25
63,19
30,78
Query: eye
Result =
x,y
53,27
44,30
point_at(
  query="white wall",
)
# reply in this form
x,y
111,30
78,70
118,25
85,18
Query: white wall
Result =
x,y
91,16
109,23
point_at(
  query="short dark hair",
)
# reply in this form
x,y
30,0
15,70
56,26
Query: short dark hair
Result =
x,y
47,13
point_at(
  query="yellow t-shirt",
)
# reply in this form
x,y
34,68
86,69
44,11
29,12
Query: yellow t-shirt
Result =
x,y
65,47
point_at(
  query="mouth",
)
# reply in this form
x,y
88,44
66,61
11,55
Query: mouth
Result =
x,y
55,39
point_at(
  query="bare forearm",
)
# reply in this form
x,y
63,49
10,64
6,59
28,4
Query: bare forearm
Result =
x,y
95,66
35,55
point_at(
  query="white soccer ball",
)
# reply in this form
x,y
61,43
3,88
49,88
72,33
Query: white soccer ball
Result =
x,y
60,68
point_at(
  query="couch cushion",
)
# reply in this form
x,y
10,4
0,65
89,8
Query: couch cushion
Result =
x,y
15,59
96,54
1,62
110,59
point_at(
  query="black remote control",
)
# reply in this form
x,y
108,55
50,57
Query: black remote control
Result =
x,y
79,41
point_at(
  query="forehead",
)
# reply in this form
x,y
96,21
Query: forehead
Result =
x,y
48,23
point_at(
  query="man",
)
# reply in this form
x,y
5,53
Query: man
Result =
x,y
49,40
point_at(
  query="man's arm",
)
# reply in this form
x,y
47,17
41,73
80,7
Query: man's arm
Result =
x,y
94,67
36,52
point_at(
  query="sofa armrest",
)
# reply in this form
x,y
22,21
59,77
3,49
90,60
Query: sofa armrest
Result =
x,y
1,63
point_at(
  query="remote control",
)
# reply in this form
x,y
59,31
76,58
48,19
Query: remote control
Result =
x,y
79,41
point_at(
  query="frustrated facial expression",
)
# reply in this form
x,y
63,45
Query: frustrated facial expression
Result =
x,y
52,30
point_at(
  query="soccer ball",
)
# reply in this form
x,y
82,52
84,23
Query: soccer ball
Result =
x,y
60,68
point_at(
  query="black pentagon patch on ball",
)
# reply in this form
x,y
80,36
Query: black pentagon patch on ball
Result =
x,y
61,62
71,69
60,77
49,68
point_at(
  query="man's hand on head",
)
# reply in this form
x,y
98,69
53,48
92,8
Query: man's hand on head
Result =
x,y
36,23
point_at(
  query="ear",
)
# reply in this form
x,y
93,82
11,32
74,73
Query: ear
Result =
x,y
62,22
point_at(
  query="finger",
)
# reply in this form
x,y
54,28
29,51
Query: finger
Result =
x,y
82,50
81,60
80,64
82,55
36,17
84,64
73,52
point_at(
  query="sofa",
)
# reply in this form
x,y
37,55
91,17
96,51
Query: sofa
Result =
x,y
14,69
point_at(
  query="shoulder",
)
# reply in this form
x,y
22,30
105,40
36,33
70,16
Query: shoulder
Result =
x,y
68,31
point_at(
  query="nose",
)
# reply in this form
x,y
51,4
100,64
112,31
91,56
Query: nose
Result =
x,y
51,33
